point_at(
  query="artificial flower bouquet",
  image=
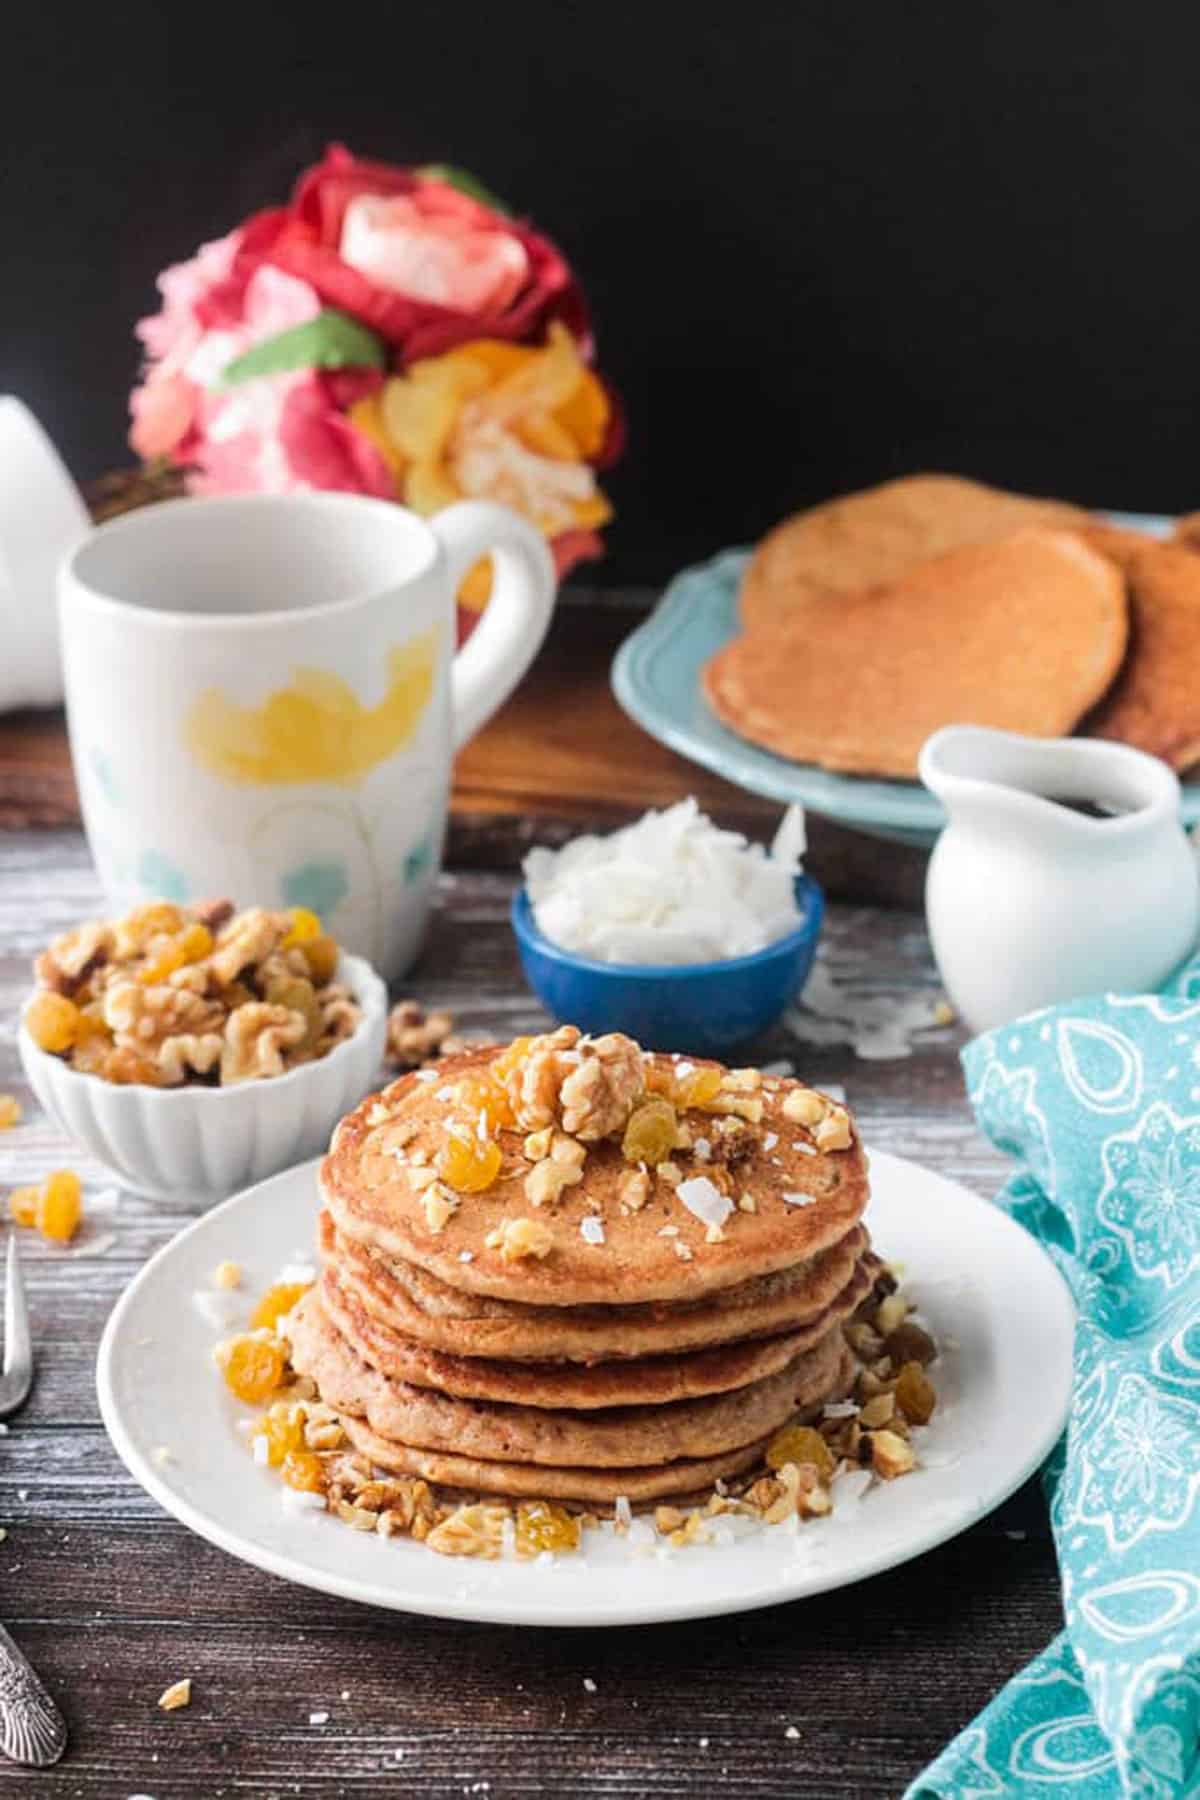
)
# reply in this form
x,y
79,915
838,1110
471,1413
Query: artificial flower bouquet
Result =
x,y
393,332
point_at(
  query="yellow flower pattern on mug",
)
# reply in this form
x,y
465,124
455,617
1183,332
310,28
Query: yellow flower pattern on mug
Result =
x,y
316,728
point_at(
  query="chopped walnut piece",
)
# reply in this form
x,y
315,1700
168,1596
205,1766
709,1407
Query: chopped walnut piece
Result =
x,y
743,1081
890,1455
227,1275
546,1181
567,1152
537,1144
891,1312
213,913
191,1053
142,1018
633,1189
668,1519
877,1411
178,1694
834,1131
414,1036
747,1203
804,1106
256,1036
669,1172
518,1238
534,1081
439,1206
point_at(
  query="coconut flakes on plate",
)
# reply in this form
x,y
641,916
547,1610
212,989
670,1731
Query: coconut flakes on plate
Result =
x,y
704,1200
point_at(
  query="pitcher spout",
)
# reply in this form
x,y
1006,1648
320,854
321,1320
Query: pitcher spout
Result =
x,y
1066,783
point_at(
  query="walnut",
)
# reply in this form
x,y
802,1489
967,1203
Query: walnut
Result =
x,y
72,956
546,1181
256,1037
133,933
439,1205
340,1016
534,1084
834,1132
519,1238
245,941
415,1037
598,1095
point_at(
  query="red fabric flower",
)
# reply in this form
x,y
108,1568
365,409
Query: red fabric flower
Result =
x,y
307,238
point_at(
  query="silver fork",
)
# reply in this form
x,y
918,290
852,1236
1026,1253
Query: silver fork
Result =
x,y
31,1727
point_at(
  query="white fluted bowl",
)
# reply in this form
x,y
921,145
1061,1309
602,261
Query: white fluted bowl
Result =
x,y
203,1143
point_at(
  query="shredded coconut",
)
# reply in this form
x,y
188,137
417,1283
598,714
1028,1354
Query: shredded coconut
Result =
x,y
705,1201
671,888
591,1230
800,1199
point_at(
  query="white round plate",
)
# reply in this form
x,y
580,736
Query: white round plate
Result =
x,y
995,1301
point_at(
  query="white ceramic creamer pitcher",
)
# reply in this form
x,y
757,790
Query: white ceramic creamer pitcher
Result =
x,y
1063,871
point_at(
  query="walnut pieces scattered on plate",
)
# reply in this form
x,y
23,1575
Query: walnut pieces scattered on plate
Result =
x,y
191,995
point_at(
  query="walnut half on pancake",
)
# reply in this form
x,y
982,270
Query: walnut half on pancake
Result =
x,y
567,1171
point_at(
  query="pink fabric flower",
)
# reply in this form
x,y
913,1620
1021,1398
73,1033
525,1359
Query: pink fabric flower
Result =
x,y
283,434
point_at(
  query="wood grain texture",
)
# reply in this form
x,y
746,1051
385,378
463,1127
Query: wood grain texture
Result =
x,y
560,755
112,1600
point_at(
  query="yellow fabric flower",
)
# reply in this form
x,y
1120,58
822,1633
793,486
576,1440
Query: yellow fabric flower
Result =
x,y
496,421
316,729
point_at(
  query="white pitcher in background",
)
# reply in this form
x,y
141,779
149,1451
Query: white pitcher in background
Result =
x,y
264,699
1063,871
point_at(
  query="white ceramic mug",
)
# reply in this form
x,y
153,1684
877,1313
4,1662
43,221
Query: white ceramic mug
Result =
x,y
41,515
264,700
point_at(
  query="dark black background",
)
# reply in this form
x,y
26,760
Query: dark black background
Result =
x,y
823,242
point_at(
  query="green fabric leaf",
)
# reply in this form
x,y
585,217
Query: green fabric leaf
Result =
x,y
333,340
466,183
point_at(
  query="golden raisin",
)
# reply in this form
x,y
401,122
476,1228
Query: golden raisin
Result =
x,y
800,1444
60,1206
304,1470
10,1111
22,1204
90,1028
321,955
161,962
305,927
650,1133
915,1394
698,1088
468,1163
253,1368
478,1095
282,1436
196,941
277,1301
52,1021
542,1526
298,995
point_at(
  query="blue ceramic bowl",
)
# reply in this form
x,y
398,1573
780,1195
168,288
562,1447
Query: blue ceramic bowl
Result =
x,y
702,1008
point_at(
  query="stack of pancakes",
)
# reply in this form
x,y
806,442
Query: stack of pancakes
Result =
x,y
870,620
642,1333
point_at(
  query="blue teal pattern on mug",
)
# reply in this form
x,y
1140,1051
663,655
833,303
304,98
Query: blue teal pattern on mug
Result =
x,y
1099,1102
321,885
419,859
161,879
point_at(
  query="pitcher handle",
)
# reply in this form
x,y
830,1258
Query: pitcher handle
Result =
x,y
517,617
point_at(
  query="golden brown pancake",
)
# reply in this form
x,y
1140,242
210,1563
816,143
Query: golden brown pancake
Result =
x,y
594,1487
805,1200
1024,634
632,1381
875,537
810,1296
1154,703
619,1437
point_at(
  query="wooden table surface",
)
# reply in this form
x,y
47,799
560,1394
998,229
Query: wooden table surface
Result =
x,y
112,1600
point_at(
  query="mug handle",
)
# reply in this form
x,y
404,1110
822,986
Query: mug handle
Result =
x,y
517,616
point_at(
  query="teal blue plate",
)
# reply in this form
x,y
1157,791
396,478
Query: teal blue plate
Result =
x,y
656,678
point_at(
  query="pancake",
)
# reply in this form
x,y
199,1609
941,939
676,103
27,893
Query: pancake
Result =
x,y
1025,634
807,1297
594,1487
875,537
1154,703
374,1181
635,1381
624,1437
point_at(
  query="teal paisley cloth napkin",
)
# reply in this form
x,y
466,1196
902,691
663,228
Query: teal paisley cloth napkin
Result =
x,y
1098,1104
